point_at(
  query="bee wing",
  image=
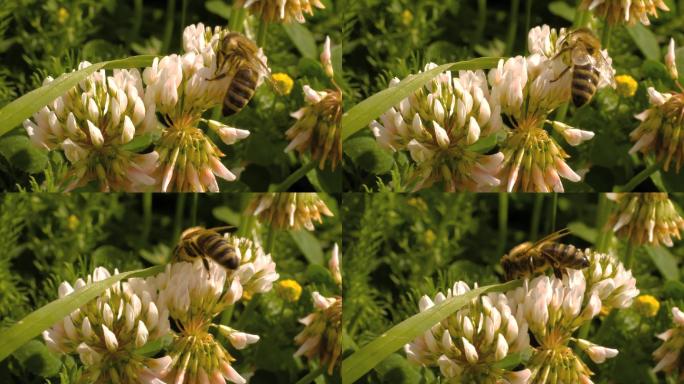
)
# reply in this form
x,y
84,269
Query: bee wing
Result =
x,y
606,71
551,237
580,56
224,228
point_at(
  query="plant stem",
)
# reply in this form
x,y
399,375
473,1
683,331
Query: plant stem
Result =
x,y
311,376
640,177
605,35
270,238
512,27
193,209
603,211
184,9
503,222
536,215
178,220
481,18
168,29
237,16
629,255
262,33
137,18
294,177
225,320
244,316
147,215
554,210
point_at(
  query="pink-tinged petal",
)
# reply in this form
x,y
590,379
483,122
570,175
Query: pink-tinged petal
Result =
x,y
565,171
220,170
231,374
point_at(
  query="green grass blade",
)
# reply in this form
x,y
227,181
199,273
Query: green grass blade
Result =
x,y
309,246
368,110
20,109
363,360
665,261
43,318
302,39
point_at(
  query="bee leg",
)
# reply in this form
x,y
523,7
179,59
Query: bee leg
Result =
x,y
561,74
558,273
206,266
221,76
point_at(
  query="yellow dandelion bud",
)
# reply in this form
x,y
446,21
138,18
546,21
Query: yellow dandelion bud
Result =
x,y
646,305
62,15
289,290
406,17
626,85
72,222
283,82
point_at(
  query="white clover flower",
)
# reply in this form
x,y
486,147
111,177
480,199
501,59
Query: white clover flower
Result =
x,y
181,88
670,60
437,124
526,90
607,277
334,265
661,129
321,337
467,344
281,11
624,11
289,210
107,331
668,355
646,218
91,124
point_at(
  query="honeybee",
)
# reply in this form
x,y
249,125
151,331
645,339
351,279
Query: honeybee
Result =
x,y
587,64
237,57
528,258
202,242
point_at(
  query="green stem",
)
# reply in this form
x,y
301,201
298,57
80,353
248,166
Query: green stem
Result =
x,y
262,33
237,17
629,255
604,234
147,215
184,10
605,35
554,210
294,177
640,177
225,320
512,27
503,222
481,18
536,215
246,225
193,209
311,376
178,220
168,29
249,309
137,18
270,239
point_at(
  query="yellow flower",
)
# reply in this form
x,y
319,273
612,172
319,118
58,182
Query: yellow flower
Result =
x,y
626,85
430,237
289,290
62,15
283,82
406,17
646,305
72,222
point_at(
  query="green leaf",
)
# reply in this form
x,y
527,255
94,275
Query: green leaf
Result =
x,y
22,154
309,246
562,9
664,261
302,39
363,360
514,359
645,40
22,108
141,142
43,318
218,7
227,215
368,110
367,154
36,358
484,144
583,231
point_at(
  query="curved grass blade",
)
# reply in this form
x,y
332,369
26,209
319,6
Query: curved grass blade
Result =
x,y
18,110
43,318
363,360
366,111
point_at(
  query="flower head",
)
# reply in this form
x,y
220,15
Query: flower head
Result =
x,y
281,11
91,124
107,331
283,82
289,290
646,218
670,60
334,265
437,125
646,305
289,210
625,12
181,88
321,337
669,355
626,85
467,344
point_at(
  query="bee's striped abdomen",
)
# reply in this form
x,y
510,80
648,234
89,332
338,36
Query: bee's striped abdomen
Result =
x,y
240,91
584,81
218,249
